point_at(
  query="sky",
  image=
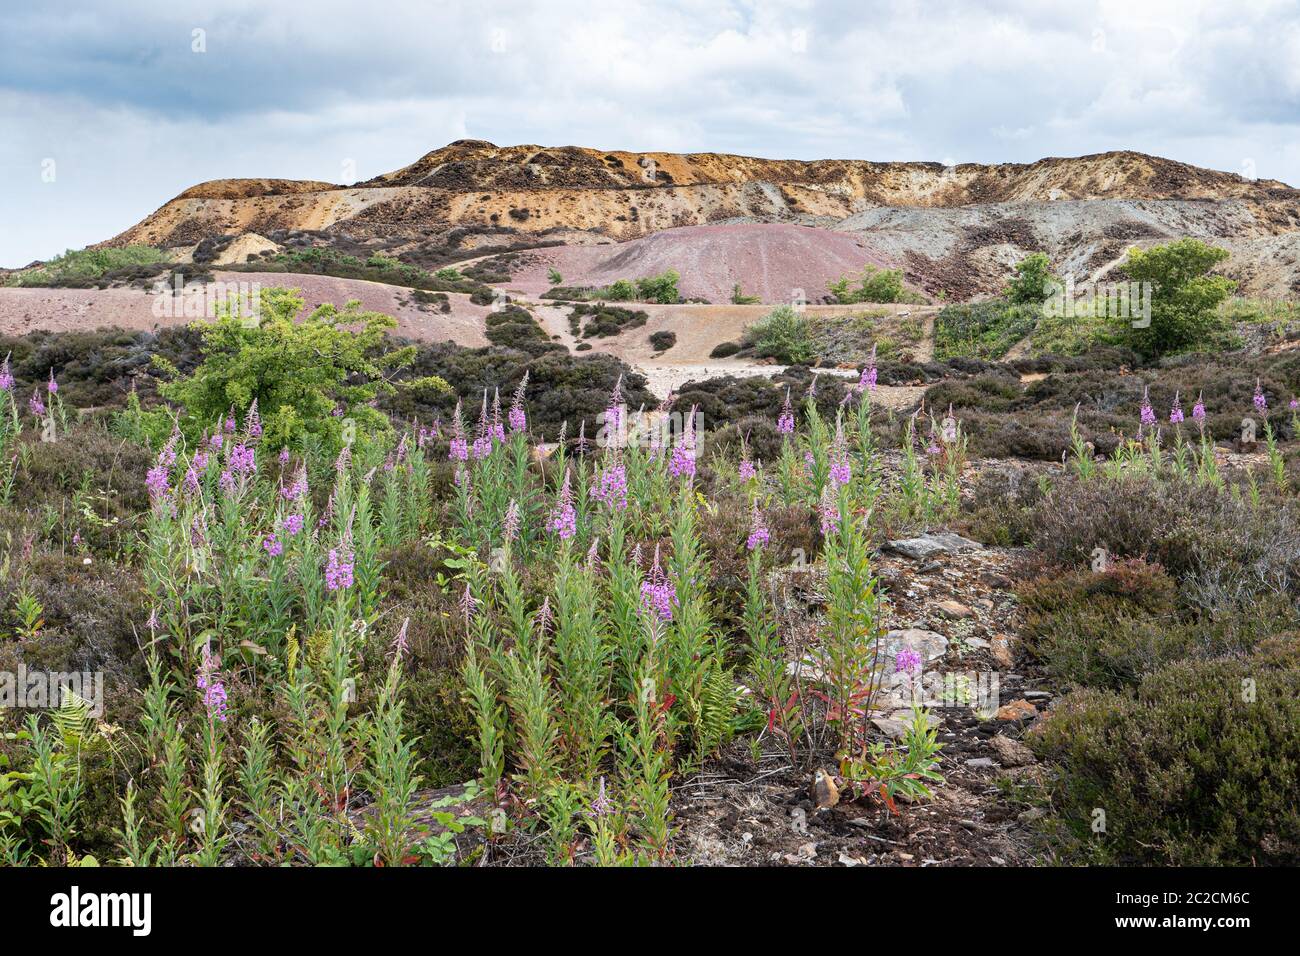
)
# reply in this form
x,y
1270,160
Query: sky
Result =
x,y
107,111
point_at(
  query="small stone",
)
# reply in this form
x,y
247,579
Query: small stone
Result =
x,y
927,545
1001,650
954,610
929,644
1011,753
1017,710
981,763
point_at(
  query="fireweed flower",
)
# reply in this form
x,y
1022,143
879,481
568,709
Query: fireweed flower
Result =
x,y
564,520
758,534
1261,403
214,442
400,646
467,604
338,570
273,546
1294,403
35,405
226,482
191,480
601,806
52,386
867,382
907,661
283,457
828,511
614,412
498,430
482,434
1176,412
6,377
516,418
611,488
841,472
292,524
253,421
747,470
1146,413
658,594
209,681
683,460
230,421
156,481
1198,411
510,527
785,422
242,460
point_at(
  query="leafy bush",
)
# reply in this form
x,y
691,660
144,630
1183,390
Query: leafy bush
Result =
x,y
80,267
724,350
982,329
783,335
661,288
1184,301
308,378
1198,765
873,285
1033,281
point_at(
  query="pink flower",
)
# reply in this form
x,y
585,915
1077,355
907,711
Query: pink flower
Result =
x,y
273,546
35,405
785,422
658,593
338,570
1261,403
1176,412
292,524
51,386
563,520
6,377
907,661
758,533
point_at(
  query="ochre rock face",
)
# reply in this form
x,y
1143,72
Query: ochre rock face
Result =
x,y
956,229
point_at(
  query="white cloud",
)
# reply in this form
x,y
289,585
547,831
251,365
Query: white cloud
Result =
x,y
291,89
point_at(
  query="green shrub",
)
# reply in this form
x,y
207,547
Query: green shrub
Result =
x,y
1199,765
983,329
661,288
1185,299
873,285
80,266
1033,281
308,377
783,335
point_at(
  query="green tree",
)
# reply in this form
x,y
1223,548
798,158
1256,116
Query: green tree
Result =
x,y
308,377
873,285
782,334
1033,280
1184,298
661,288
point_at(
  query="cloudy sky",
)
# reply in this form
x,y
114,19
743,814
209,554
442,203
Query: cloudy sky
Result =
x,y
109,110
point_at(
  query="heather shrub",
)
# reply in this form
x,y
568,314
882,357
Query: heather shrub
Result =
x,y
663,340
1194,766
724,350
982,329
783,335
1224,550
